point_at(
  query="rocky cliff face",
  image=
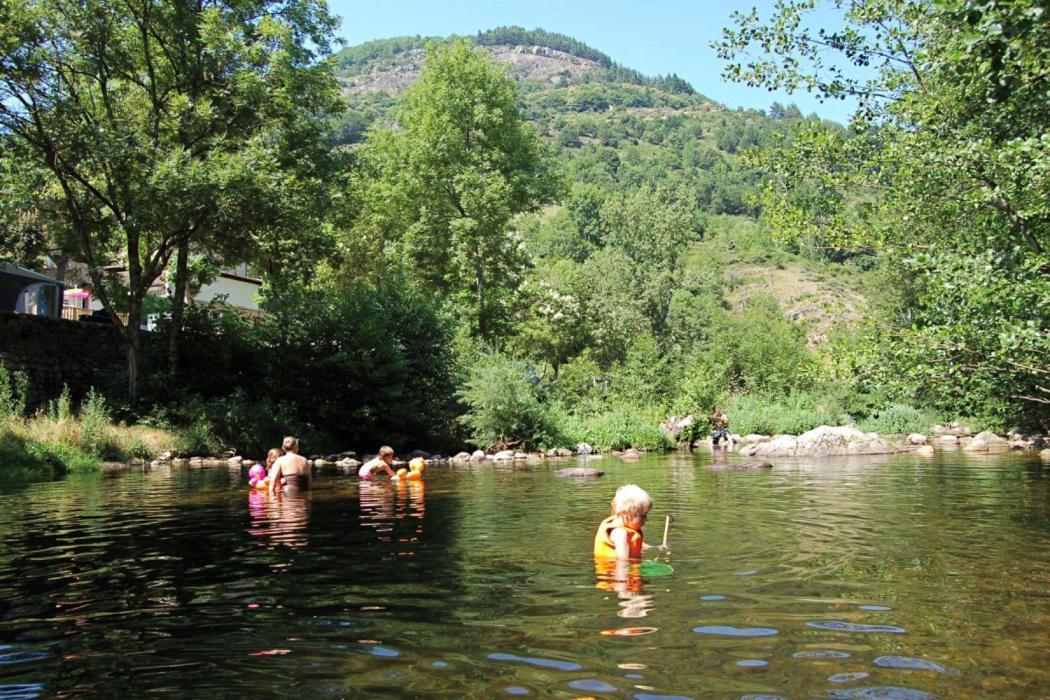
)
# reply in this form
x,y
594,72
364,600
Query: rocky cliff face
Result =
x,y
538,64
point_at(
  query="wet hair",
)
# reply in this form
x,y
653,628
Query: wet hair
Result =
x,y
290,444
386,451
272,456
631,500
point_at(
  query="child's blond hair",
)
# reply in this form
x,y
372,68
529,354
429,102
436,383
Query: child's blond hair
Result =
x,y
631,500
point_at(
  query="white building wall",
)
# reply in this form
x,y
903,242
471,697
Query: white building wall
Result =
x,y
238,292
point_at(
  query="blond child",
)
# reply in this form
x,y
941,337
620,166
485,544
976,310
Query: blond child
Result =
x,y
620,535
379,463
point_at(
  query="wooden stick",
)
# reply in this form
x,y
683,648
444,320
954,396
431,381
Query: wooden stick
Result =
x,y
667,524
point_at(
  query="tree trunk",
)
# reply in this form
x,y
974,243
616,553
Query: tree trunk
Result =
x,y
134,339
178,304
479,276
61,264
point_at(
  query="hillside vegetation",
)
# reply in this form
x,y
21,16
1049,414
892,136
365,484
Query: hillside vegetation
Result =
x,y
509,239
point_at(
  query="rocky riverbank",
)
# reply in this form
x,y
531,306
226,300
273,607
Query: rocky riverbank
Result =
x,y
823,441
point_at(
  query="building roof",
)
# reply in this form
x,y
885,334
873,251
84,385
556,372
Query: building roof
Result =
x,y
11,269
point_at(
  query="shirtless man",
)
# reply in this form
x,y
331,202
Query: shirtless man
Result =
x,y
291,470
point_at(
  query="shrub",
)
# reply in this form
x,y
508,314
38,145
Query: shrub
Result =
x,y
94,427
897,418
14,389
766,352
617,428
503,405
789,415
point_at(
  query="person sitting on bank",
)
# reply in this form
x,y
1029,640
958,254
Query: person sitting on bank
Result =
x,y
379,463
721,432
620,535
291,470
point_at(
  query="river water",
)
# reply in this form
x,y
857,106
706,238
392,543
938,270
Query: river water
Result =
x,y
866,578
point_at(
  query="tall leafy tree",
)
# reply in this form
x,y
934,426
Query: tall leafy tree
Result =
x,y
165,124
946,172
439,191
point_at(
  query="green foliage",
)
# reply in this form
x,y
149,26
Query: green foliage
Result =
x,y
625,425
168,126
14,389
503,402
338,363
438,193
57,458
199,438
788,415
95,420
897,418
943,173
765,353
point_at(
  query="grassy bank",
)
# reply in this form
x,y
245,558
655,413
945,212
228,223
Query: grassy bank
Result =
x,y
63,438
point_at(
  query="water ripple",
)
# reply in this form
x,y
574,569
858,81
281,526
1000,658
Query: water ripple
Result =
x,y
840,626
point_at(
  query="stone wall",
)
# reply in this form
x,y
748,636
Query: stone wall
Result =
x,y
55,353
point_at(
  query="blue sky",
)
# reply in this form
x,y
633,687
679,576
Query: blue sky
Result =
x,y
652,36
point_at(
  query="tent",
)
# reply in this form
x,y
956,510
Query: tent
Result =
x,y
26,292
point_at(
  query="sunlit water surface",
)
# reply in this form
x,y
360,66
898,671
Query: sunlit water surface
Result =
x,y
891,578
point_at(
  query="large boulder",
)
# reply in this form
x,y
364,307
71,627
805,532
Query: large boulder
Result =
x,y
987,442
503,456
477,456
1045,454
584,449
754,439
461,457
825,441
917,439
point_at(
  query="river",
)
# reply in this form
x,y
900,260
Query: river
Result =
x,y
896,577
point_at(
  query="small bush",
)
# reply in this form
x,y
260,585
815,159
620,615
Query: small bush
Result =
x,y
198,439
790,415
94,427
14,389
504,405
897,418
617,428
62,458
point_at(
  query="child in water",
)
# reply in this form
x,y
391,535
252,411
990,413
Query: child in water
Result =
x,y
379,463
620,535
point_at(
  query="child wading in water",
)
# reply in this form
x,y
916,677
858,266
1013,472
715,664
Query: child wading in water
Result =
x,y
379,463
721,432
620,535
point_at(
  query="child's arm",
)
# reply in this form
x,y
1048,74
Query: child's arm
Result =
x,y
274,476
623,547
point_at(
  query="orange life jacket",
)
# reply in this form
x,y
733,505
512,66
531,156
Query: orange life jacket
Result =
x,y
605,547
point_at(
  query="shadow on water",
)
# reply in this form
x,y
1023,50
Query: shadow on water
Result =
x,y
842,578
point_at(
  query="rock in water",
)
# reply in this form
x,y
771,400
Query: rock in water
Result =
x,y
583,472
987,442
824,441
